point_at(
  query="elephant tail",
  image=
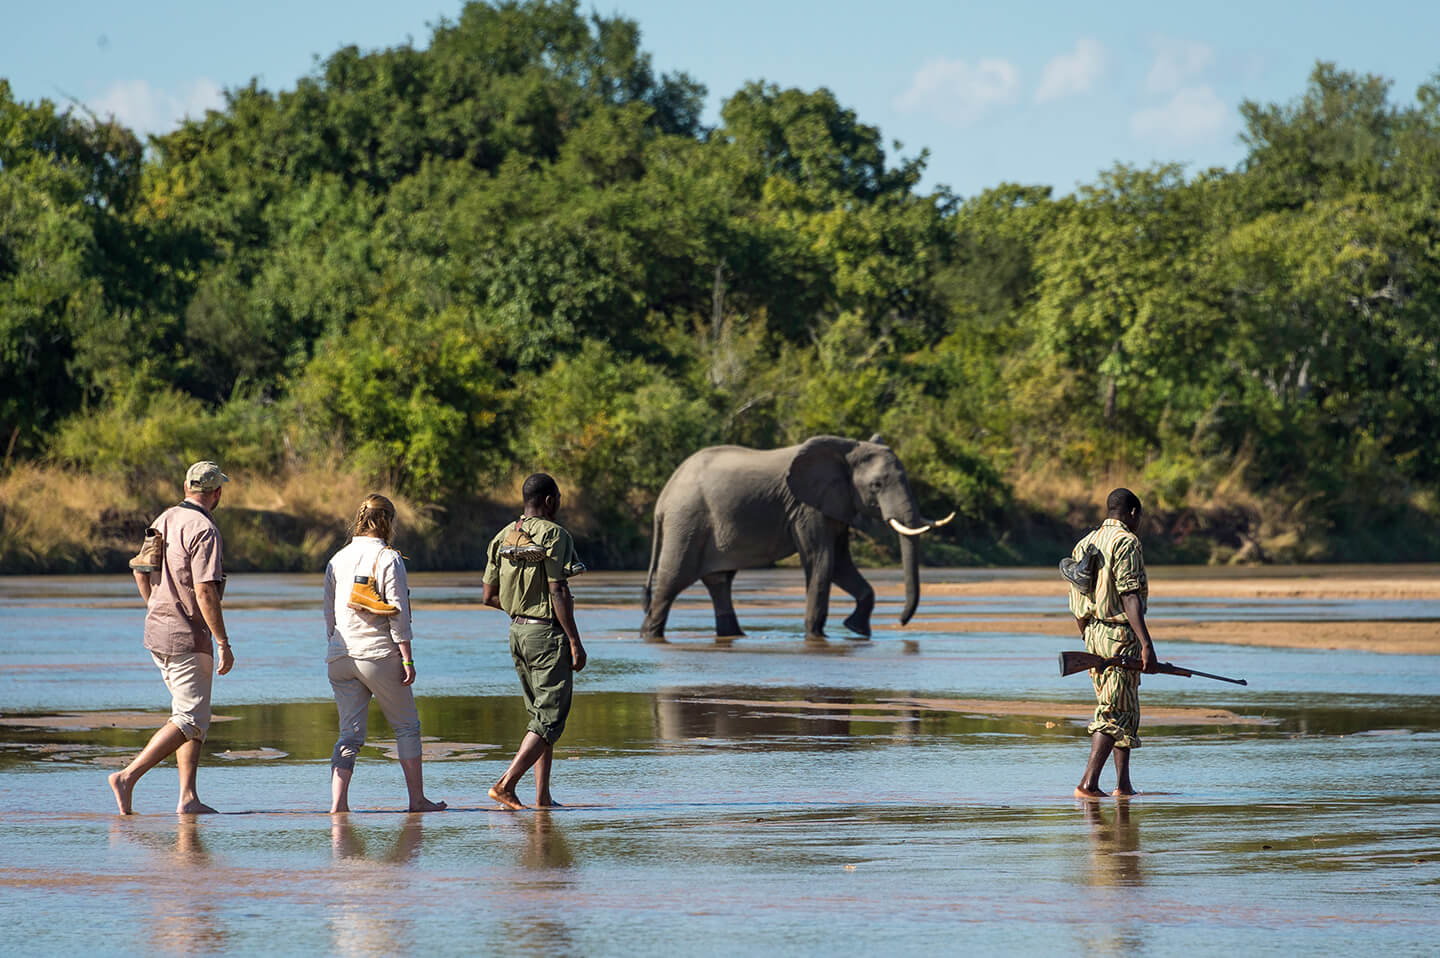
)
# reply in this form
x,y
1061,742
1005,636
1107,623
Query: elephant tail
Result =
x,y
654,560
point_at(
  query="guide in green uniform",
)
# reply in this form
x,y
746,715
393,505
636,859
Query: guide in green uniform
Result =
x,y
527,570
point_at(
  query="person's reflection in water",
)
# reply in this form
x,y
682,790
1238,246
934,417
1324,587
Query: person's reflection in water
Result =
x,y
1115,864
1114,847
547,857
346,841
364,923
546,846
183,921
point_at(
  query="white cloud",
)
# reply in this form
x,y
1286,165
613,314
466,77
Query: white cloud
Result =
x,y
144,109
1175,63
957,92
1072,73
1194,114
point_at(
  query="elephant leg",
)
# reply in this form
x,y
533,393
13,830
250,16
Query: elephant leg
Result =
x,y
666,591
849,578
818,564
726,624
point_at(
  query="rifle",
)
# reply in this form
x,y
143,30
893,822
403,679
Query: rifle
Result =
x,y
1072,662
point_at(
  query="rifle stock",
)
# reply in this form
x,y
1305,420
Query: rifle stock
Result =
x,y
1072,662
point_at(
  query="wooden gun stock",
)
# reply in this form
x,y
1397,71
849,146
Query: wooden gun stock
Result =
x,y
1072,662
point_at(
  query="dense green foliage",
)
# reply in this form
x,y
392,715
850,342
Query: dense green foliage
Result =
x,y
518,248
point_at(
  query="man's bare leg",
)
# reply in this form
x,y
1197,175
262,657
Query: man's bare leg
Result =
x,y
167,739
415,785
503,791
1122,773
340,788
187,757
543,798
1101,746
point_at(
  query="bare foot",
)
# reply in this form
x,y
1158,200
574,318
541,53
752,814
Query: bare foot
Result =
x,y
547,802
425,805
337,809
1125,792
194,807
506,797
122,790
1088,792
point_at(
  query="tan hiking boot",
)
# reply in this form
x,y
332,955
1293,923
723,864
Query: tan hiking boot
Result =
x,y
151,555
364,598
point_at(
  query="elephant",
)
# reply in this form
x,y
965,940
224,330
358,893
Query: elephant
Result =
x,y
727,508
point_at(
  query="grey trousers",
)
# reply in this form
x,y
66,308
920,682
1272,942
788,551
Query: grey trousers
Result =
x,y
355,681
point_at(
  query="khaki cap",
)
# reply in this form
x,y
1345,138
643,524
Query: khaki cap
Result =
x,y
205,476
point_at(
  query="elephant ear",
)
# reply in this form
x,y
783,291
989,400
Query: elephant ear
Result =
x,y
819,476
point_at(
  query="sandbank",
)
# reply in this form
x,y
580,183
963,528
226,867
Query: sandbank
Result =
x,y
85,721
1392,638
1289,587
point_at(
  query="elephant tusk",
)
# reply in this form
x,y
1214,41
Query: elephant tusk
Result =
x,y
940,522
906,530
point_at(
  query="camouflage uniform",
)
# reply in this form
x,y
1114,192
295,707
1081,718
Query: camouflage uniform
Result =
x,y
1107,630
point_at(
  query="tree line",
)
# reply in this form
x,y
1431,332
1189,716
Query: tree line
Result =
x,y
520,247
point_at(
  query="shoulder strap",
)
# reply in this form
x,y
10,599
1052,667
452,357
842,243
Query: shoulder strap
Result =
x,y
375,569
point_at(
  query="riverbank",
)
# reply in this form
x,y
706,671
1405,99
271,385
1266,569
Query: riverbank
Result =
x,y
55,520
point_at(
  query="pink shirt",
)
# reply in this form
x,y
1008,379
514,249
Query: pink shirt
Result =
x,y
173,623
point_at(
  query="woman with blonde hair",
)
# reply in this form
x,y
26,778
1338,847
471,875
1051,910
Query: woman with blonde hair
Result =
x,y
367,621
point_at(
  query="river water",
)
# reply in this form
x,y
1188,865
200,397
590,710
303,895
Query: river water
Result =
x,y
754,795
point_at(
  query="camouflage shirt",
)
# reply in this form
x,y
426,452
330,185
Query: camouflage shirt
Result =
x,y
524,586
1122,570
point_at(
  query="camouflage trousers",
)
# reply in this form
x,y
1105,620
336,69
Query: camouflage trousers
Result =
x,y
1117,691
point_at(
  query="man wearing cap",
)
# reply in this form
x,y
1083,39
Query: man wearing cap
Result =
x,y
184,629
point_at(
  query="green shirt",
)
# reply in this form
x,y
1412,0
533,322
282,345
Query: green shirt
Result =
x,y
524,587
1122,570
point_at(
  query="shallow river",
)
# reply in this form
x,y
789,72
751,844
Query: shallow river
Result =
x,y
726,798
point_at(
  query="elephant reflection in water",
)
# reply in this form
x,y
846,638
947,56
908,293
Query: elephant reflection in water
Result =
x,y
728,508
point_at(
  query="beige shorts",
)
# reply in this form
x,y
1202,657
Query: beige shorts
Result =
x,y
189,676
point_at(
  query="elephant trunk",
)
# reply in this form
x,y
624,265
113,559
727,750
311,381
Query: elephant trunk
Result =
x,y
910,561
903,515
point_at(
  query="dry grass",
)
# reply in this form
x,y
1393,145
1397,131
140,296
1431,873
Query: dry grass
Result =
x,y
1077,499
320,493
54,519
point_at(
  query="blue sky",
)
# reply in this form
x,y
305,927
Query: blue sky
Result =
x,y
1032,92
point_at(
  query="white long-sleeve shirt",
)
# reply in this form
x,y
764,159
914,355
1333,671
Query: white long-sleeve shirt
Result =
x,y
365,635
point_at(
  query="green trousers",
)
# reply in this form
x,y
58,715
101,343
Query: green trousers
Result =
x,y
542,660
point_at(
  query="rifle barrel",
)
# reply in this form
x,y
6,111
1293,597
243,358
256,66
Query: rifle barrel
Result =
x,y
1219,678
1076,661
